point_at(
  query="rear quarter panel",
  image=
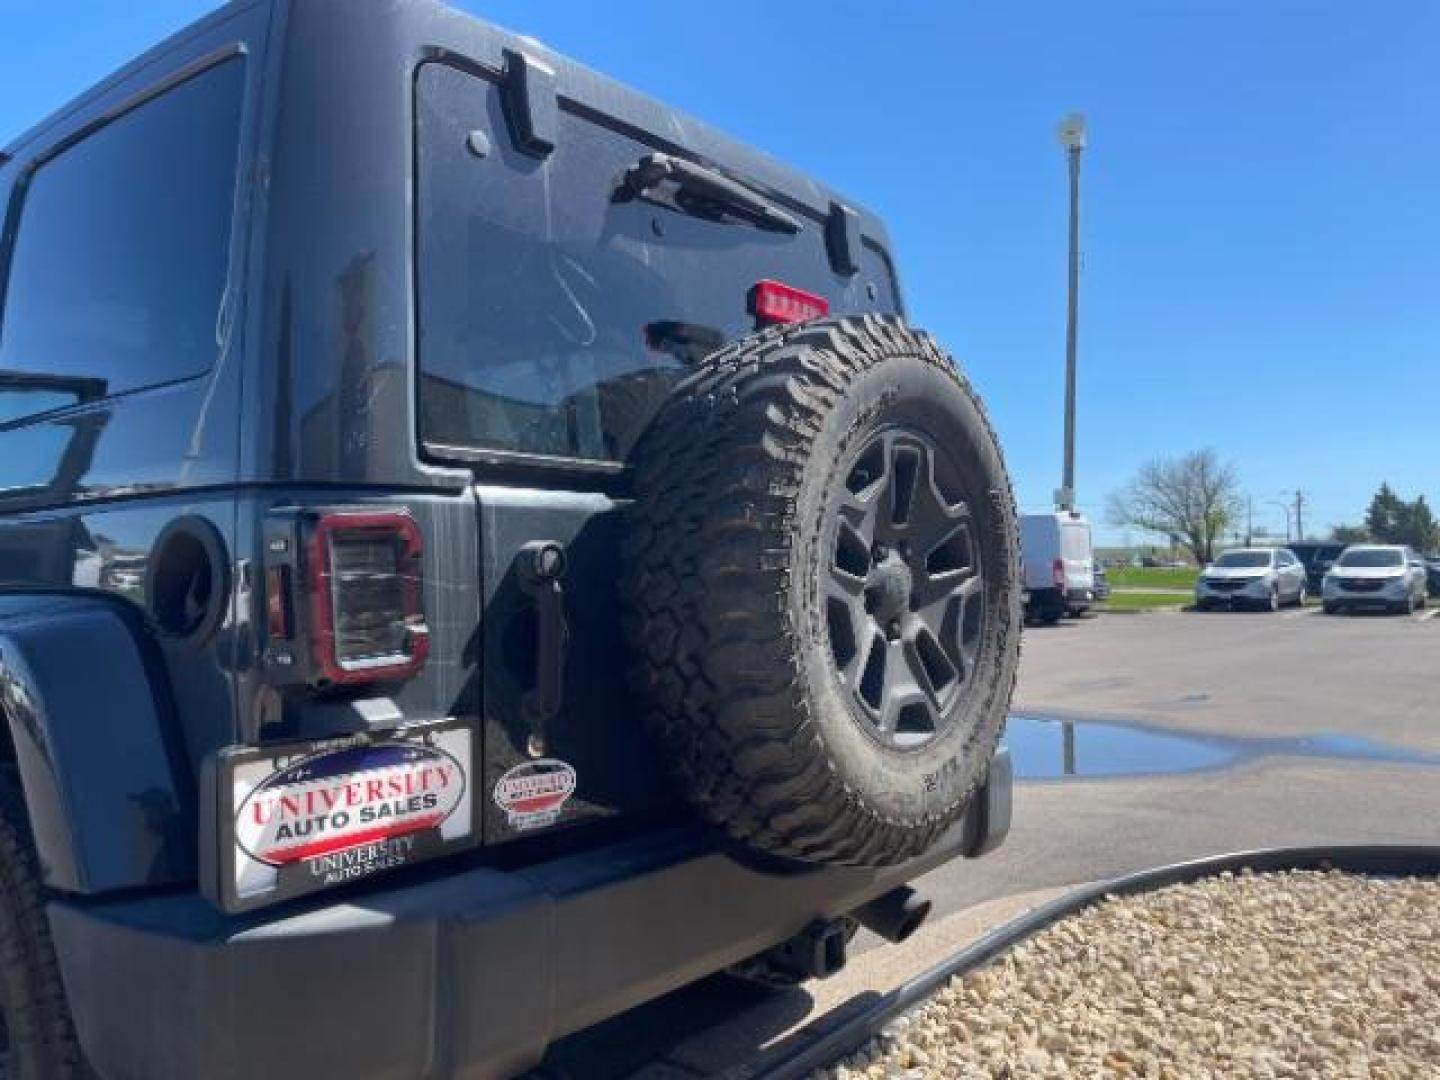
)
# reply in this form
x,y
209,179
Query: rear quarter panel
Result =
x,y
86,490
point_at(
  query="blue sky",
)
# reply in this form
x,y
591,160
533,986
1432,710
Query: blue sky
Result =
x,y
1261,205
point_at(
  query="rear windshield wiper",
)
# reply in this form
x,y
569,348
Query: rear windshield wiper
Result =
x,y
693,189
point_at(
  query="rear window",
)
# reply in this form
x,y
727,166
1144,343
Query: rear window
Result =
x,y
119,265
554,319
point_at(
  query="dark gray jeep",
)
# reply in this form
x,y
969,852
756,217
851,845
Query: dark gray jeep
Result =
x,y
479,550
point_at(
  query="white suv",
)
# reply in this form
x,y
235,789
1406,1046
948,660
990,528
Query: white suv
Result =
x,y
1253,577
1375,575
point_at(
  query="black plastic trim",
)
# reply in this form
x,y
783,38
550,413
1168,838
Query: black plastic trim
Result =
x,y
100,751
988,819
480,454
530,469
203,532
477,970
842,239
824,1043
531,106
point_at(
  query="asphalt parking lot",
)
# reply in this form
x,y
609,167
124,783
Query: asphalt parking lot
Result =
x,y
1327,723
1188,734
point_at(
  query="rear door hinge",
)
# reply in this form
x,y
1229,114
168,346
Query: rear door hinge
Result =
x,y
842,239
531,104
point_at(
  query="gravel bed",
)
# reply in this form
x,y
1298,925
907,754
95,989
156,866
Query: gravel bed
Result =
x,y
1298,974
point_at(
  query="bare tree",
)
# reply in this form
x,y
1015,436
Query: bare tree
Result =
x,y
1192,498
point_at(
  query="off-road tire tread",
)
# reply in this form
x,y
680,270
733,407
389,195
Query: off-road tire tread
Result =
x,y
42,1037
716,652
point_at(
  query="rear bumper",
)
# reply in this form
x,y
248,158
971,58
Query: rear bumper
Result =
x,y
1045,601
1055,601
472,974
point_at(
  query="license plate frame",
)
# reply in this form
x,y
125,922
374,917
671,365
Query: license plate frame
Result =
x,y
293,819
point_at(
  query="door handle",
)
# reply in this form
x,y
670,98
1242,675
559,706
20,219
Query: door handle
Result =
x,y
541,565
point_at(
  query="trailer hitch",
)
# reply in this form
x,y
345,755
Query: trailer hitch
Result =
x,y
816,952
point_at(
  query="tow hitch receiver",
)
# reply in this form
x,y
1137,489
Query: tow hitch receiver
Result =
x,y
816,952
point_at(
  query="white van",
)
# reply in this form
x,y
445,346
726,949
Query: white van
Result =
x,y
1059,564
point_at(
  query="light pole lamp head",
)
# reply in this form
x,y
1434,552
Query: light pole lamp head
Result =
x,y
1071,131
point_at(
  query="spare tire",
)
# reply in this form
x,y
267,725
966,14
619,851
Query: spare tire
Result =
x,y
822,591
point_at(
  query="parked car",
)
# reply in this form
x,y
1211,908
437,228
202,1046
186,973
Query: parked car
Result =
x,y
454,667
1432,575
1266,577
1318,556
1059,564
1102,583
1387,576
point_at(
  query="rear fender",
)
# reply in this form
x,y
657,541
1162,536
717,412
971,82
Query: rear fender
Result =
x,y
110,800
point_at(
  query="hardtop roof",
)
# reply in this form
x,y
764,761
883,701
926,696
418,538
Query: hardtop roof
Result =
x,y
447,28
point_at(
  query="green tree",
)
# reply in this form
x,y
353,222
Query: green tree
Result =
x,y
1415,525
1382,518
1349,534
1191,498
1392,520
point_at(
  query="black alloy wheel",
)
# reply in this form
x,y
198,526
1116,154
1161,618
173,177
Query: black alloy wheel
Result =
x,y
904,590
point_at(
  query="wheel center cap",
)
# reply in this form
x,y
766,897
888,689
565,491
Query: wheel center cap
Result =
x,y
888,590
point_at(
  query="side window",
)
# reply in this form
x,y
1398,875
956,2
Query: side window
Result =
x,y
119,264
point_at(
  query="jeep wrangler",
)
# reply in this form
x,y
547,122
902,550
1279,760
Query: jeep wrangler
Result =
x,y
480,550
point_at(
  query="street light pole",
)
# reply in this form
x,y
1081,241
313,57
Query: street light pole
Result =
x,y
1285,507
1072,136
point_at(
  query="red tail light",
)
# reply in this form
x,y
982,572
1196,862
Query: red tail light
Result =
x,y
363,572
776,302
1058,569
277,603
